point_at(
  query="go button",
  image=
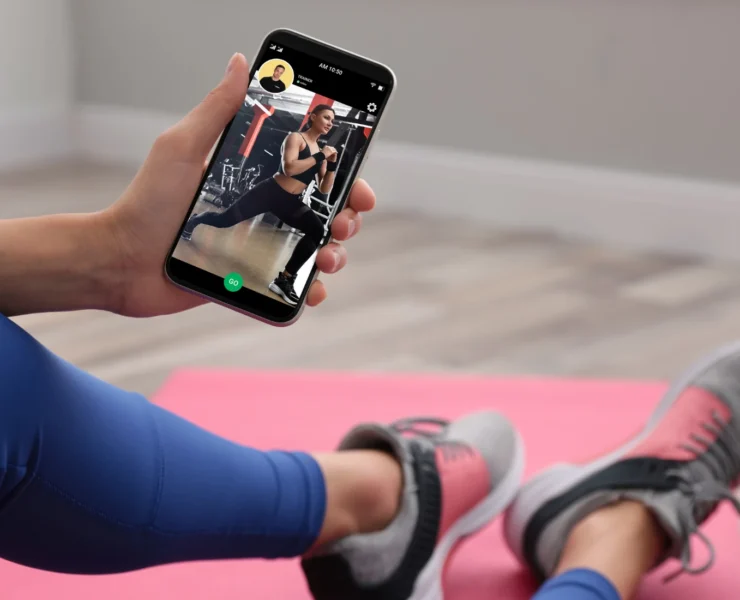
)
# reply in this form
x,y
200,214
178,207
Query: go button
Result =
x,y
233,282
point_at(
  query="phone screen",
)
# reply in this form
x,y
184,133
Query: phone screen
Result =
x,y
281,173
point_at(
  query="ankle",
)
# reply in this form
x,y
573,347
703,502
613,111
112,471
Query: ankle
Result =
x,y
622,541
376,500
626,517
363,492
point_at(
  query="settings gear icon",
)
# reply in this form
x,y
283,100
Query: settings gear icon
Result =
x,y
372,107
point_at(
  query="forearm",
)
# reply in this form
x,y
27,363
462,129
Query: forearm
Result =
x,y
54,263
327,183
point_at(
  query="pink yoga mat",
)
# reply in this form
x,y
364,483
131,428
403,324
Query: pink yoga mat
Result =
x,y
559,420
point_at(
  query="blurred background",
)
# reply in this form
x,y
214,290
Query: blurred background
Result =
x,y
558,183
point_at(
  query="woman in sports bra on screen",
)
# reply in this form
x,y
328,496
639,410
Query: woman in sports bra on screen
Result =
x,y
302,161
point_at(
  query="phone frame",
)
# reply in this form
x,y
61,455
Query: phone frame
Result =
x,y
259,308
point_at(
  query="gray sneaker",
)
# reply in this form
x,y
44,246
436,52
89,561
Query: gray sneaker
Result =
x,y
681,466
458,477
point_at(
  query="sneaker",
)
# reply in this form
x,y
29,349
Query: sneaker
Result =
x,y
680,467
284,287
457,477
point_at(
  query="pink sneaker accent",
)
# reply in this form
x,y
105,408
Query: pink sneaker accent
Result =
x,y
465,481
693,407
460,475
681,467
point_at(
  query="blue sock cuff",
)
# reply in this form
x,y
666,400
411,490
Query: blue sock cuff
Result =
x,y
589,583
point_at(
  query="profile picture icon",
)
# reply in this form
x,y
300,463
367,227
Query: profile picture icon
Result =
x,y
275,76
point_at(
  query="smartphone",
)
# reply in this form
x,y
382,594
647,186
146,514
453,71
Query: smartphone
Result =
x,y
280,174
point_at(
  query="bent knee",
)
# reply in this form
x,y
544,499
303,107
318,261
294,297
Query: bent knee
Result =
x,y
315,230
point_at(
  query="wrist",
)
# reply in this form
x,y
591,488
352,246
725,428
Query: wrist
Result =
x,y
106,271
87,260
319,157
55,263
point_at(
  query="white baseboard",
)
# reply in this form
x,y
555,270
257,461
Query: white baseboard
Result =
x,y
642,212
34,137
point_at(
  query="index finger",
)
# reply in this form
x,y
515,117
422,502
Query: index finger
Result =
x,y
362,197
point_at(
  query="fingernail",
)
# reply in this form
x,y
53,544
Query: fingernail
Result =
x,y
231,64
351,227
337,259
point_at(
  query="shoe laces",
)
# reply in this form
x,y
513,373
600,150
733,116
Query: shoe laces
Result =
x,y
432,429
705,483
414,425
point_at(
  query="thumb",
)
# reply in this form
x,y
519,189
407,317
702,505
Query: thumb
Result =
x,y
206,122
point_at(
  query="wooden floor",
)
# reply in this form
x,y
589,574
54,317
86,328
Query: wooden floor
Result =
x,y
418,295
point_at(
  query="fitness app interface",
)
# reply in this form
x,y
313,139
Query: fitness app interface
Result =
x,y
278,178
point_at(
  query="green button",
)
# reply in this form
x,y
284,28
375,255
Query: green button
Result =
x,y
233,282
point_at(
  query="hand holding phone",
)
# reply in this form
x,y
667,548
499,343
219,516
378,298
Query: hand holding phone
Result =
x,y
252,243
136,231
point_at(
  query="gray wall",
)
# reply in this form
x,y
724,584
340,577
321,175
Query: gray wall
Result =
x,y
36,83
650,85
35,56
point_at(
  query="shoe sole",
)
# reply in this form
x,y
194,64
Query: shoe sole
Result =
x,y
276,290
429,584
557,479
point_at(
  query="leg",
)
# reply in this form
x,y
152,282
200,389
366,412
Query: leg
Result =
x,y
299,217
97,480
313,232
253,203
603,525
607,555
581,584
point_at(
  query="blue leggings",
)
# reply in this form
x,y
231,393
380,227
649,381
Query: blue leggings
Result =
x,y
97,480
578,584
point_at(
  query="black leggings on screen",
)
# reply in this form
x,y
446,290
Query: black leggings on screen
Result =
x,y
266,197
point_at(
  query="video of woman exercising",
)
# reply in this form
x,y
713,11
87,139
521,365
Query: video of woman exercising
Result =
x,y
272,193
